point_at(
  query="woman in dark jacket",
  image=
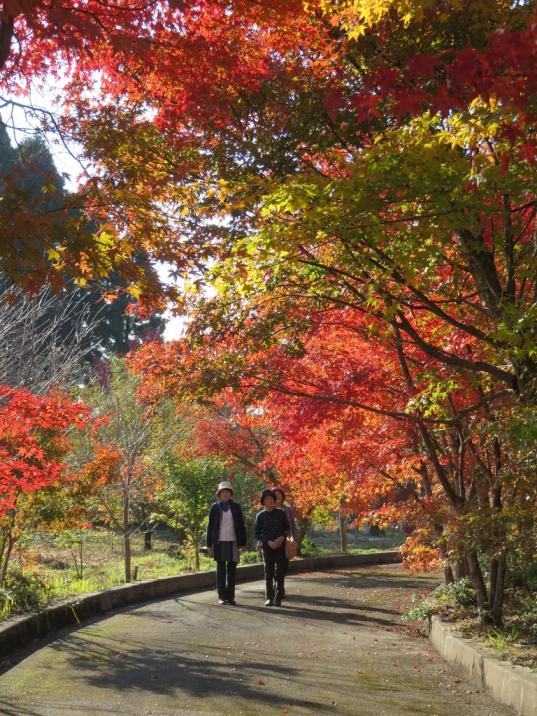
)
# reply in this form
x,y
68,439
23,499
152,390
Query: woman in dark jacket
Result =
x,y
290,514
226,536
271,530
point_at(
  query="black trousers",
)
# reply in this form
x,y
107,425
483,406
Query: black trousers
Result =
x,y
285,570
225,579
275,568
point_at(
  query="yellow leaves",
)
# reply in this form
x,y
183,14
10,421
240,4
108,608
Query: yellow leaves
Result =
x,y
106,239
459,142
357,16
135,290
222,198
54,255
220,285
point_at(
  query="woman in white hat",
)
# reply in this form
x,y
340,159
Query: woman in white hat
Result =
x,y
226,536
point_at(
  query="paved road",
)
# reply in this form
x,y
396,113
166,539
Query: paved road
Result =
x,y
336,647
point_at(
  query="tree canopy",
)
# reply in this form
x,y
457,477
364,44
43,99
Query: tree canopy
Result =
x,y
345,192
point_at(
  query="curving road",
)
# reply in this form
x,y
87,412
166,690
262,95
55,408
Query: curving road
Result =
x,y
336,647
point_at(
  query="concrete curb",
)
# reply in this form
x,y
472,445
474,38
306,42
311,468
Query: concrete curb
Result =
x,y
20,631
514,686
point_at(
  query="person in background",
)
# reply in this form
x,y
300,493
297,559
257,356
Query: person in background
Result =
x,y
226,537
291,519
289,511
271,530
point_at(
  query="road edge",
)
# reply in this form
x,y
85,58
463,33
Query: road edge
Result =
x,y
509,684
21,631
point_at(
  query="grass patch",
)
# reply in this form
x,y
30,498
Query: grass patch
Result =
x,y
49,566
358,540
50,571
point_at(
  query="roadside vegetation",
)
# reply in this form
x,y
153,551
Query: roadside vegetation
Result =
x,y
514,641
50,568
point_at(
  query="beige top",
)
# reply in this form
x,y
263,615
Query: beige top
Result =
x,y
227,527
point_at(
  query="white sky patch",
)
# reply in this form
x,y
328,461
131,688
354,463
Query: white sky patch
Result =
x,y
23,117
175,325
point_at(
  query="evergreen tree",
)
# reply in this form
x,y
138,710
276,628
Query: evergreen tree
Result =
x,y
8,155
32,176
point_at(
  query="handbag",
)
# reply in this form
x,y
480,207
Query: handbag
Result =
x,y
291,548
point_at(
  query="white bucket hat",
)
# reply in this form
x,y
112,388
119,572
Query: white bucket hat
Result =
x,y
225,485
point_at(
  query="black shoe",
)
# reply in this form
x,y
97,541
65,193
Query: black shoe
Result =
x,y
222,601
269,603
277,602
231,601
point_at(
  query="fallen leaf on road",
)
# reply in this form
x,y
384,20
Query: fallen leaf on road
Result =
x,y
261,682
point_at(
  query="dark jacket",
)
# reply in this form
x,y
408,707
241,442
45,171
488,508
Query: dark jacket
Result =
x,y
271,525
213,526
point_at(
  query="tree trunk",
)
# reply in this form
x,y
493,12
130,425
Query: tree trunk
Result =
x,y
7,25
5,561
461,569
3,547
197,553
303,526
78,557
493,579
476,575
448,572
496,604
7,546
127,555
342,531
148,545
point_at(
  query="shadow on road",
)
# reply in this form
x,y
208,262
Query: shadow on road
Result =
x,y
362,580
8,708
203,673
329,603
323,614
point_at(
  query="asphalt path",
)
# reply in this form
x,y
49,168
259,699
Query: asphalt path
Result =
x,y
336,646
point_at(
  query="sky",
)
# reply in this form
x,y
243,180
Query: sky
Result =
x,y
69,161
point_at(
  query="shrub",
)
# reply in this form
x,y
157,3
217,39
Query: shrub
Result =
x,y
23,593
501,639
175,551
308,548
421,610
251,557
456,594
523,574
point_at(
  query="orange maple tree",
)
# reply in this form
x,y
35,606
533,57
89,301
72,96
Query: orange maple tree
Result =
x,y
34,439
354,422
